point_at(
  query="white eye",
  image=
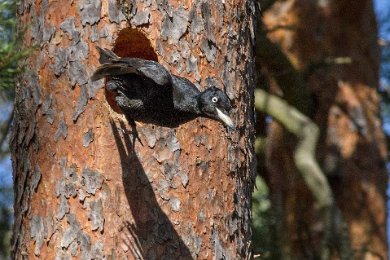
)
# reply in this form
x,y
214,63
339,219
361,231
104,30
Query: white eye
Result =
x,y
214,99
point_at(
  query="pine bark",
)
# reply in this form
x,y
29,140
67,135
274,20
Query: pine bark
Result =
x,y
83,186
352,149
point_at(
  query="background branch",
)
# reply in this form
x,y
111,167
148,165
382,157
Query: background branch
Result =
x,y
307,133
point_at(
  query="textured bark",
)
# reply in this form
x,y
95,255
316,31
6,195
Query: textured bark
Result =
x,y
352,149
83,188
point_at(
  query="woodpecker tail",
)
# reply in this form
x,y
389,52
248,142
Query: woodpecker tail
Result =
x,y
108,68
113,65
106,56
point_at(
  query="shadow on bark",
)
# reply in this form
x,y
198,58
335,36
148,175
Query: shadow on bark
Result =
x,y
152,235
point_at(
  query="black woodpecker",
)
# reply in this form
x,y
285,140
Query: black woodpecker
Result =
x,y
147,92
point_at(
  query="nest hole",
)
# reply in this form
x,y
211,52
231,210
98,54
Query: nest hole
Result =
x,y
134,44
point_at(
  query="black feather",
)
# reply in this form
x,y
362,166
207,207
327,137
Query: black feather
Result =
x,y
106,55
147,92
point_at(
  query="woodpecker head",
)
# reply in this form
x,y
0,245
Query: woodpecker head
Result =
x,y
214,103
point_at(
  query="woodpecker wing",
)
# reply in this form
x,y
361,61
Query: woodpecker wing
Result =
x,y
116,66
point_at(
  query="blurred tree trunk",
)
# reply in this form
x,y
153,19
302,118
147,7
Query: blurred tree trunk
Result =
x,y
82,187
352,149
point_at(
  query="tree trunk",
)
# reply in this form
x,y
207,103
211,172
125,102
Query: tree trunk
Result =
x,y
352,149
83,187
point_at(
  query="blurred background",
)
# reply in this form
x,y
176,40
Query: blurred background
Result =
x,y
9,56
322,196
330,62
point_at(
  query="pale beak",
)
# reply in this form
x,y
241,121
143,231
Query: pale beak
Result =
x,y
225,118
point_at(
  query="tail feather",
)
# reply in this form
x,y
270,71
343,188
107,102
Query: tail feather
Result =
x,y
106,56
109,70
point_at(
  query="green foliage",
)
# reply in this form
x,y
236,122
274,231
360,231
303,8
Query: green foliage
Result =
x,y
10,45
261,210
5,221
10,54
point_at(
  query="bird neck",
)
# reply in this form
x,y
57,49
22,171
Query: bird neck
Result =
x,y
188,102
185,96
196,105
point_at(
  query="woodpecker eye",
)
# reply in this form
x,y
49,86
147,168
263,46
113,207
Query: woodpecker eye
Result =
x,y
214,99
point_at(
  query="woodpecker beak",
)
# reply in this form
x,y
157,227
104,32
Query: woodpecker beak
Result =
x,y
225,118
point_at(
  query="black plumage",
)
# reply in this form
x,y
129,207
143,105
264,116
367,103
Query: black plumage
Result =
x,y
147,92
